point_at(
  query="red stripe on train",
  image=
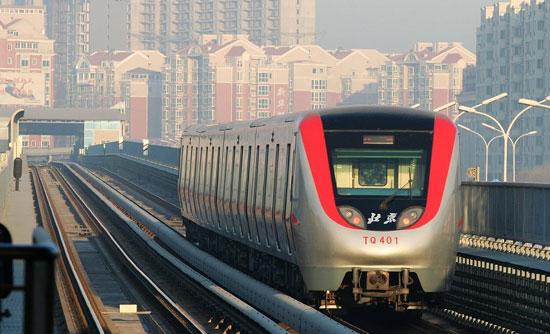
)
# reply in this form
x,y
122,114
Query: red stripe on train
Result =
x,y
313,138
442,151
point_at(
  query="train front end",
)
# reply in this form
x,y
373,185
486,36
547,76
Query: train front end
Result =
x,y
377,203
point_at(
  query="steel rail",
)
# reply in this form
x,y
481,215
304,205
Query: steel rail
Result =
x,y
195,326
94,319
134,187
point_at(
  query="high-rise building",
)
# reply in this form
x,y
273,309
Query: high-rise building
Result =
x,y
68,23
26,57
513,56
429,75
170,25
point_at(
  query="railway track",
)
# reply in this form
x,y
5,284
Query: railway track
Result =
x,y
131,284
372,322
217,315
82,312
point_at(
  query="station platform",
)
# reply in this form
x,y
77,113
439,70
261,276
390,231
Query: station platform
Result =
x,y
20,219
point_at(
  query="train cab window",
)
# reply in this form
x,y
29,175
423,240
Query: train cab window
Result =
x,y
376,172
373,173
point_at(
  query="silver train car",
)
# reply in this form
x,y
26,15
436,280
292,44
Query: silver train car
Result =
x,y
343,207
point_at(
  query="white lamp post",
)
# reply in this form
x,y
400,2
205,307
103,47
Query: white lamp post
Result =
x,y
514,152
487,145
483,103
530,104
533,103
473,111
514,142
445,106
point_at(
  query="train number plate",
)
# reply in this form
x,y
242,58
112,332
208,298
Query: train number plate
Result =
x,y
380,240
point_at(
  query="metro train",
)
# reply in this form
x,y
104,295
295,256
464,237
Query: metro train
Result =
x,y
339,208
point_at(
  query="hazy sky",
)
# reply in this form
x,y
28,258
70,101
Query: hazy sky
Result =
x,y
394,25
387,25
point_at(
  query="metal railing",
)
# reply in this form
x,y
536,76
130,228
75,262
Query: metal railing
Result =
x,y
512,296
36,282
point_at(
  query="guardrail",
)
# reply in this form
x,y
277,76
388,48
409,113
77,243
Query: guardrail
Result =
x,y
38,288
509,295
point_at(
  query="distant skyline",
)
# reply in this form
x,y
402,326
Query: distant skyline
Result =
x,y
395,25
389,25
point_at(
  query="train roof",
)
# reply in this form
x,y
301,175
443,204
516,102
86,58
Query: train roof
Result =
x,y
346,112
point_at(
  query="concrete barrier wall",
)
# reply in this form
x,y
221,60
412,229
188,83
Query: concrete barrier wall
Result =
x,y
508,210
164,155
6,173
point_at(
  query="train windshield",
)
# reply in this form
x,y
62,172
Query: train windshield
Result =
x,y
379,172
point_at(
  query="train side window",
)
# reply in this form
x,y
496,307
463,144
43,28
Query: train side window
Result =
x,y
266,177
291,191
247,184
239,214
254,198
205,193
210,192
183,171
218,164
222,203
198,187
232,191
286,202
192,180
274,203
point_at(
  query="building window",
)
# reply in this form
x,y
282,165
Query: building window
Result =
x,y
34,62
263,90
264,77
24,62
9,61
45,63
263,103
318,84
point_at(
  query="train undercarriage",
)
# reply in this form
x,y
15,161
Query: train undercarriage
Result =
x,y
398,291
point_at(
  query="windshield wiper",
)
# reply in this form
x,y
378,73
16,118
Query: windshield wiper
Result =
x,y
384,204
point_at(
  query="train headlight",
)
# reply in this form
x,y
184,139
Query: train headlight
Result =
x,y
409,217
352,216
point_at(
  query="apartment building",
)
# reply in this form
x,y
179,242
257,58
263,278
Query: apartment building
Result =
x,y
129,81
142,93
430,75
513,48
230,78
170,25
100,74
68,24
26,57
